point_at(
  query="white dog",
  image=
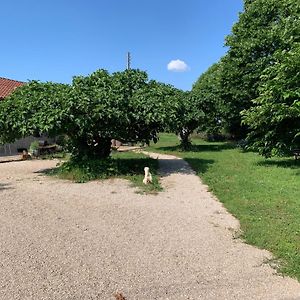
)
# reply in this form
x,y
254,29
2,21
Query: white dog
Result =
x,y
148,177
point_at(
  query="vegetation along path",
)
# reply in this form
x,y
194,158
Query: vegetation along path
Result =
x,y
63,240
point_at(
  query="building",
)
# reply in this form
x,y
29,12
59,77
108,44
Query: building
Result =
x,y
7,86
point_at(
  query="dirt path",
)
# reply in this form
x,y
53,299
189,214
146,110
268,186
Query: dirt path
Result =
x,y
61,240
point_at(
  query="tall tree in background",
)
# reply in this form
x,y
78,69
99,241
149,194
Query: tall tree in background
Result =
x,y
189,116
207,91
257,35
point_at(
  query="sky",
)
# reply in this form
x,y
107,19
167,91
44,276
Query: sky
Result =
x,y
175,41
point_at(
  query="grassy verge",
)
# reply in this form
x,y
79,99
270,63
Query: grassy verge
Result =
x,y
55,155
127,165
263,194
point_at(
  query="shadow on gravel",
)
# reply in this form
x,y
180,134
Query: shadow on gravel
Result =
x,y
10,161
201,148
136,167
107,168
47,171
5,186
186,167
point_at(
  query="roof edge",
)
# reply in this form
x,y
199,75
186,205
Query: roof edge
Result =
x,y
12,79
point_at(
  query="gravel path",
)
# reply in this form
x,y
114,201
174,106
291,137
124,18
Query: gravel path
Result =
x,y
62,240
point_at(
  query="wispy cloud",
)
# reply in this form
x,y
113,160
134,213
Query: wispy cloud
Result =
x,y
178,65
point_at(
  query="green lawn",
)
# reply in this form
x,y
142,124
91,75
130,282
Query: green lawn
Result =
x,y
263,194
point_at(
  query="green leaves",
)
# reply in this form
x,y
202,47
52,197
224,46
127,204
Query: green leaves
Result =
x,y
206,95
265,27
35,107
92,111
254,90
275,118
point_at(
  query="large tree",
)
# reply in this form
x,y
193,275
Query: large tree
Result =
x,y
207,91
189,116
275,118
257,35
92,111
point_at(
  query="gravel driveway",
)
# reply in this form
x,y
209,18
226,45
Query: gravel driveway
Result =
x,y
62,240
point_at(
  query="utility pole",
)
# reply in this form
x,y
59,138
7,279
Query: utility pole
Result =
x,y
128,60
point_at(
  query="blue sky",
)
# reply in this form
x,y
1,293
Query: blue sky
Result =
x,y
55,40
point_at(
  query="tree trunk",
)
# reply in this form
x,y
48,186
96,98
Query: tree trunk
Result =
x,y
185,139
102,147
99,148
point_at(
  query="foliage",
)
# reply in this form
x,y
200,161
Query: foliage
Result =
x,y
125,165
207,91
263,194
92,111
122,106
188,116
265,27
34,146
275,118
33,108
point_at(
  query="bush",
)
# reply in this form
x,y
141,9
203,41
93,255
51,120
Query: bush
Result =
x,y
34,146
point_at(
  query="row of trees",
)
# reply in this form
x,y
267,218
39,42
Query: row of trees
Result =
x,y
254,90
95,109
91,111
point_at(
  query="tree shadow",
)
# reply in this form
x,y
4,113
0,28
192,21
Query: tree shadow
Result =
x,y
5,186
47,171
200,165
135,166
10,161
200,148
186,167
286,163
106,168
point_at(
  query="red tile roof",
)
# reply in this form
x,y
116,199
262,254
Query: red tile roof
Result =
x,y
7,86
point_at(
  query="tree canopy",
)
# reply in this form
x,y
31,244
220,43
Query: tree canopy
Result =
x,y
274,120
254,89
33,108
187,118
207,91
265,26
91,111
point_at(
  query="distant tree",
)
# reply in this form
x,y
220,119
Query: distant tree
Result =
x,y
258,34
188,116
207,91
91,111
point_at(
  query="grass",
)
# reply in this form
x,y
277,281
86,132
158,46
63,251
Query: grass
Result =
x,y
263,194
127,165
56,155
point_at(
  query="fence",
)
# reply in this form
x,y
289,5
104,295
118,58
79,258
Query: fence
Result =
x,y
24,143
